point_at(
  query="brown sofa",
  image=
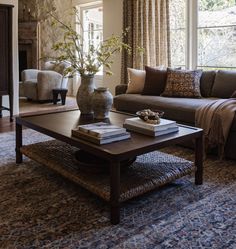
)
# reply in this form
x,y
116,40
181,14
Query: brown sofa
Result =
x,y
213,84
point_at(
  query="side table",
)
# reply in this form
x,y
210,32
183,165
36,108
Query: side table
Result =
x,y
62,92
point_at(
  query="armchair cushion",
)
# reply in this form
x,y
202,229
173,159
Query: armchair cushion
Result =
x,y
29,74
30,89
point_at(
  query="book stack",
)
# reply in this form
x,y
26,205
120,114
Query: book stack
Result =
x,y
164,127
100,133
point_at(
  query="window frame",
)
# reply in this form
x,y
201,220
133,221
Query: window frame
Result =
x,y
81,8
191,51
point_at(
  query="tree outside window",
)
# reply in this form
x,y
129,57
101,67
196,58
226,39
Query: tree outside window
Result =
x,y
92,23
216,33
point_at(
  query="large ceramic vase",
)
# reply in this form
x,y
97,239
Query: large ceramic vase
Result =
x,y
84,95
102,101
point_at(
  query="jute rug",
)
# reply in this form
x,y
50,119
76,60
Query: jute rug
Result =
x,y
40,209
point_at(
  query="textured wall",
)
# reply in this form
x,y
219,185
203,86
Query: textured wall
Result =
x,y
39,11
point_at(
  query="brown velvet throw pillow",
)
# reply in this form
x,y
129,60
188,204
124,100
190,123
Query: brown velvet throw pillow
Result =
x,y
233,95
155,81
183,83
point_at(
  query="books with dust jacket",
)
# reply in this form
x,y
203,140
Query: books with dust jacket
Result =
x,y
163,125
137,125
100,133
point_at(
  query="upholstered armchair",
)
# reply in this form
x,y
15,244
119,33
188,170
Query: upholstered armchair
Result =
x,y
38,84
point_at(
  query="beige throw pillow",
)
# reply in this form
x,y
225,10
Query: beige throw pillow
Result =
x,y
136,80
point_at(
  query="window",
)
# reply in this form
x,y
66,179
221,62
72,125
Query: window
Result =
x,y
204,32
91,16
216,34
178,32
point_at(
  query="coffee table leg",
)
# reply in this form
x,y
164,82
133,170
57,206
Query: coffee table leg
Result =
x,y
18,143
199,160
115,192
0,106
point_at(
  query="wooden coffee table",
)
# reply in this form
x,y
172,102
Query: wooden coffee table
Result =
x,y
58,125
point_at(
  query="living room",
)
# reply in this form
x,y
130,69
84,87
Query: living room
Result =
x,y
175,63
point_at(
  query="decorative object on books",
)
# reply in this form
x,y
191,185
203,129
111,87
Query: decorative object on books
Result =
x,y
86,63
149,116
100,133
93,164
164,127
84,94
102,101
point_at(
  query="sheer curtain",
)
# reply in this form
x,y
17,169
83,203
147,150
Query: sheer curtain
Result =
x,y
148,23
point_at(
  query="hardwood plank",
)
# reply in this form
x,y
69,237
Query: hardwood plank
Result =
x,y
6,125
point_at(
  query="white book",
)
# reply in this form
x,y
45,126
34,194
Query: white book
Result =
x,y
149,132
163,125
106,140
102,129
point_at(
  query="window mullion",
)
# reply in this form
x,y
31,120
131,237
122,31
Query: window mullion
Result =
x,y
192,34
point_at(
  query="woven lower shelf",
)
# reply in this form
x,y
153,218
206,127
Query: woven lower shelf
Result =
x,y
148,172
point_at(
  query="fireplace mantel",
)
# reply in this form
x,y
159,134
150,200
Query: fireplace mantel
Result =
x,y
29,44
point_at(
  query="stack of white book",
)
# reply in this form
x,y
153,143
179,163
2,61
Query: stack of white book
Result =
x,y
164,127
100,133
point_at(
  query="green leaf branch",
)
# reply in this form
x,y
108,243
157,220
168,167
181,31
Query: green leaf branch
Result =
x,y
71,49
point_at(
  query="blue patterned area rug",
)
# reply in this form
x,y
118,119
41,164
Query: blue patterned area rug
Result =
x,y
40,209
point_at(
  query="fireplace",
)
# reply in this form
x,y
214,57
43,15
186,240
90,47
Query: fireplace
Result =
x,y
29,45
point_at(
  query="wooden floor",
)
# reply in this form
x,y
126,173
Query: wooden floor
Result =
x,y
36,108
6,125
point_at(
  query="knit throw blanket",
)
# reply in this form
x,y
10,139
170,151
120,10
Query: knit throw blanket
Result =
x,y
216,119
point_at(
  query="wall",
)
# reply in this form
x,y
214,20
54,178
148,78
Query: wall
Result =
x,y
15,59
49,35
39,11
112,21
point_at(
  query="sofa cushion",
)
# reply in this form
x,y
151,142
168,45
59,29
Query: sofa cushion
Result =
x,y
206,83
136,80
224,85
179,109
155,81
183,83
120,89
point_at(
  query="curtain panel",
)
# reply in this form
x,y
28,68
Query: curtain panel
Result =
x,y
148,23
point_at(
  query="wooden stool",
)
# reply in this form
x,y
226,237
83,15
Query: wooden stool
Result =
x,y
62,92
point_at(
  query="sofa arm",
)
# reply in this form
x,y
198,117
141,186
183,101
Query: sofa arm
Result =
x,y
47,80
29,74
120,89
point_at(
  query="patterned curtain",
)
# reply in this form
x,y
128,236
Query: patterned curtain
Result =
x,y
148,23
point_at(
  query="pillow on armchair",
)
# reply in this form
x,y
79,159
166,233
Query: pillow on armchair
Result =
x,y
183,83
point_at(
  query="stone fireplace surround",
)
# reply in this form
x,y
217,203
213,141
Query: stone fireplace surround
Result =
x,y
29,45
